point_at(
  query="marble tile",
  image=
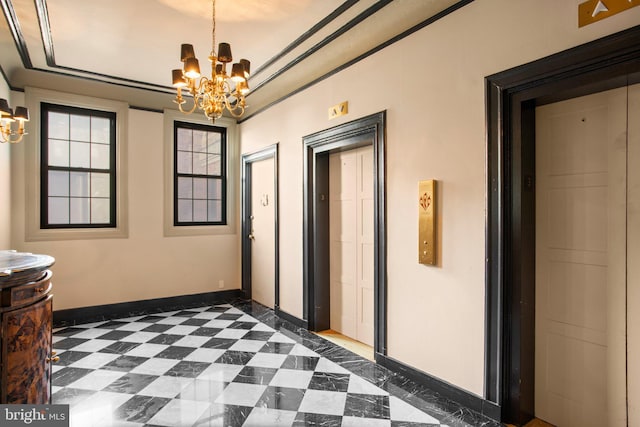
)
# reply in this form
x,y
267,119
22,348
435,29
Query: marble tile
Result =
x,y
218,415
267,360
69,343
234,334
329,381
124,363
366,405
167,339
147,350
300,362
134,326
115,335
204,355
266,417
170,320
241,394
180,413
235,357
119,347
276,347
168,387
255,375
206,332
98,410
324,402
70,396
219,343
359,386
141,336
369,422
70,357
140,409
258,335
175,352
402,411
155,366
195,322
291,378
205,390
181,330
191,341
247,345
68,375
188,369
91,333
206,315
285,398
96,380
155,327
304,419
130,383
216,323
220,372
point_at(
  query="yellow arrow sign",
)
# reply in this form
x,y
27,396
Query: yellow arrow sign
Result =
x,y
596,10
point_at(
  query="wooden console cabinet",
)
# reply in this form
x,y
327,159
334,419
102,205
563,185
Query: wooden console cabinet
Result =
x,y
26,315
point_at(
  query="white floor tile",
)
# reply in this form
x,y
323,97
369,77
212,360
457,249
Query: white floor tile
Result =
x,y
246,345
133,326
218,323
232,333
97,410
206,315
192,341
141,336
204,390
263,328
96,380
221,372
266,417
181,329
147,350
325,365
171,320
179,413
241,394
267,360
205,355
323,402
94,360
166,387
155,366
292,378
300,350
92,333
278,337
368,422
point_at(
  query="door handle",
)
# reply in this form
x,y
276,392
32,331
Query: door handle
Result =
x,y
251,236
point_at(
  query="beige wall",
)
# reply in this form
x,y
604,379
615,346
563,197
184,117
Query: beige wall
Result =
x,y
5,182
435,129
145,264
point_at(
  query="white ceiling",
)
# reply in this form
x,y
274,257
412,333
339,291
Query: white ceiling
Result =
x,y
134,44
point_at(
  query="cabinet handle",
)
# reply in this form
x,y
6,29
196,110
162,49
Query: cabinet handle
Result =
x,y
53,358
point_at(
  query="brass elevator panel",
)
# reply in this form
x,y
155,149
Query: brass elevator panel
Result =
x,y
427,222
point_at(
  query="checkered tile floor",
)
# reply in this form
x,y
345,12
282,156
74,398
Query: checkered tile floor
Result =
x,y
210,366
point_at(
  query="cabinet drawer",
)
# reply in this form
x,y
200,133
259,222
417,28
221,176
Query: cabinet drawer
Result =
x,y
27,294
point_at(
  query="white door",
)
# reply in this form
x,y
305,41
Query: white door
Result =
x,y
351,243
581,151
263,232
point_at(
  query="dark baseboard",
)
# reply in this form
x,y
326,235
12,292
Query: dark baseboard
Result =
x,y
99,313
445,389
301,323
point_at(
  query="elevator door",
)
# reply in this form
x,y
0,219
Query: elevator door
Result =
x,y
581,155
352,243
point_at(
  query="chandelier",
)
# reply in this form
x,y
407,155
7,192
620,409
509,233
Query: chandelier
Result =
x,y
221,91
8,118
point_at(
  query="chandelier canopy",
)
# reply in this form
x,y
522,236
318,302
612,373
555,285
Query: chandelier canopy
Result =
x,y
219,92
8,118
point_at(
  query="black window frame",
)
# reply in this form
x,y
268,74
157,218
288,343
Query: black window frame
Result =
x,y
223,172
45,108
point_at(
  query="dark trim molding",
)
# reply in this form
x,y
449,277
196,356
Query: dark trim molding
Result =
x,y
98,313
331,37
45,31
443,388
365,131
247,160
301,323
511,96
307,34
359,58
16,32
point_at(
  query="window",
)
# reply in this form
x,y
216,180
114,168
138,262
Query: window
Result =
x,y
78,167
199,174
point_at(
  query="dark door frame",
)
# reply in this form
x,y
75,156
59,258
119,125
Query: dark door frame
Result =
x,y
511,97
368,130
247,160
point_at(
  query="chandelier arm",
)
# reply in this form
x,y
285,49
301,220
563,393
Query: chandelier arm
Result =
x,y
189,111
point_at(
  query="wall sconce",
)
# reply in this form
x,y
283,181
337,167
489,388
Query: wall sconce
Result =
x,y
7,118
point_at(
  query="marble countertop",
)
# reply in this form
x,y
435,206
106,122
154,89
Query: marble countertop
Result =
x,y
12,262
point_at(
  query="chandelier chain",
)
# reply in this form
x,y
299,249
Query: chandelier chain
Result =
x,y
213,28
